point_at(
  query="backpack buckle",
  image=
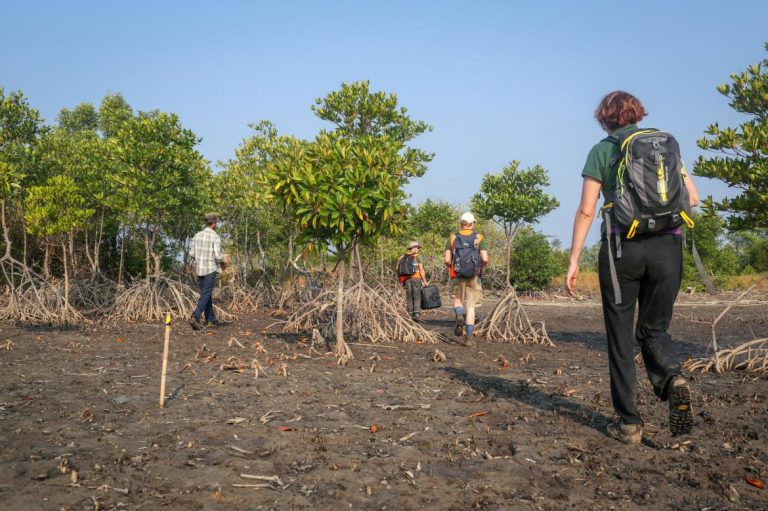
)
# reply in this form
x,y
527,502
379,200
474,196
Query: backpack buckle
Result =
x,y
651,223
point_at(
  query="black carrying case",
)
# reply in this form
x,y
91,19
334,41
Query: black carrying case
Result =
x,y
430,297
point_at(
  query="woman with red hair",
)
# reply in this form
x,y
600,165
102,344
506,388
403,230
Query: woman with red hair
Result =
x,y
648,272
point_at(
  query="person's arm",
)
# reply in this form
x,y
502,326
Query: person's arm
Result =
x,y
447,258
693,192
217,249
484,258
422,274
590,192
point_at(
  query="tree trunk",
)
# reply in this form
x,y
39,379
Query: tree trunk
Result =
x,y
47,262
24,233
509,260
340,310
97,245
262,254
381,259
72,260
88,250
290,257
122,259
147,257
66,274
156,257
359,262
6,233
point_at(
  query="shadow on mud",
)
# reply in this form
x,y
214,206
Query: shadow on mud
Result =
x,y
596,341
521,391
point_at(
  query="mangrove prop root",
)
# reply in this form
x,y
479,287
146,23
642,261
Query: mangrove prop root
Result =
x,y
150,300
371,314
751,357
32,299
509,322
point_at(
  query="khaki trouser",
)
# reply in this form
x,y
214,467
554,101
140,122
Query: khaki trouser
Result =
x,y
467,292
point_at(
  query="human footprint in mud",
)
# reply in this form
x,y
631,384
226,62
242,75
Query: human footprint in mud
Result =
x,y
640,259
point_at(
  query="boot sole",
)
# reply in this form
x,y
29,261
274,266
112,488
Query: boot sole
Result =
x,y
680,416
458,330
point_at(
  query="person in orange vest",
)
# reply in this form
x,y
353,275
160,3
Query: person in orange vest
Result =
x,y
466,256
410,271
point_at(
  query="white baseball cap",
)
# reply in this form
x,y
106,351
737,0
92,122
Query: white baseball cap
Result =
x,y
467,217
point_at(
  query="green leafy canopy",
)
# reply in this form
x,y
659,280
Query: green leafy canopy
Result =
x,y
743,164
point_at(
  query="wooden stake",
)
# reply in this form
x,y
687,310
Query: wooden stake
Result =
x,y
165,358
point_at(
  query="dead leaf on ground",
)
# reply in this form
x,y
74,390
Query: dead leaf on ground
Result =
x,y
757,483
476,414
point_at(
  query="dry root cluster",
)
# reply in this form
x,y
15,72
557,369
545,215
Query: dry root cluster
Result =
x,y
29,298
151,300
239,298
370,315
509,322
751,357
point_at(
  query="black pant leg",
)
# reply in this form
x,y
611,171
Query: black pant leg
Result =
x,y
658,291
416,283
205,303
408,296
413,296
210,315
619,322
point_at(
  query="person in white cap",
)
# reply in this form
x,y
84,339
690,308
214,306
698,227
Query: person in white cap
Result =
x,y
410,271
466,256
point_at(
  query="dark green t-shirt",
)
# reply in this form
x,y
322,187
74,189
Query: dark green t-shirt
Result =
x,y
598,165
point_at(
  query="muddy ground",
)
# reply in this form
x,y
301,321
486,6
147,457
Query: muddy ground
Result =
x,y
459,434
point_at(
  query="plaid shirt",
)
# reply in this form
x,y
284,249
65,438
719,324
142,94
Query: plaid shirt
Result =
x,y
206,252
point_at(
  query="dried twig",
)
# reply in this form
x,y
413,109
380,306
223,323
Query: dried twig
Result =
x,y
718,367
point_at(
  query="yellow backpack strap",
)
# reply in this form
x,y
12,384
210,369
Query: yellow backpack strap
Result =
x,y
633,229
688,220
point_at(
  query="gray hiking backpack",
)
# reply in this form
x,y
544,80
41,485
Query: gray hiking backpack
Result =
x,y
650,194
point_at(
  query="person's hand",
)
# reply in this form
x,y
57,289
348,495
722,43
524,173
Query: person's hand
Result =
x,y
570,278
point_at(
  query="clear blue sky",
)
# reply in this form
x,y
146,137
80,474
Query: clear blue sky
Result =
x,y
499,81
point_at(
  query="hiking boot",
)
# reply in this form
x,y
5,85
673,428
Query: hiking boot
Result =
x,y
195,324
416,318
458,330
625,433
680,416
470,342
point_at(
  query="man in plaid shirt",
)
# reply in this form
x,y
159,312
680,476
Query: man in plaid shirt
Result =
x,y
205,255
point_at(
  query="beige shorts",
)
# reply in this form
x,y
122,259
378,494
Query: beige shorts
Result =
x,y
469,291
